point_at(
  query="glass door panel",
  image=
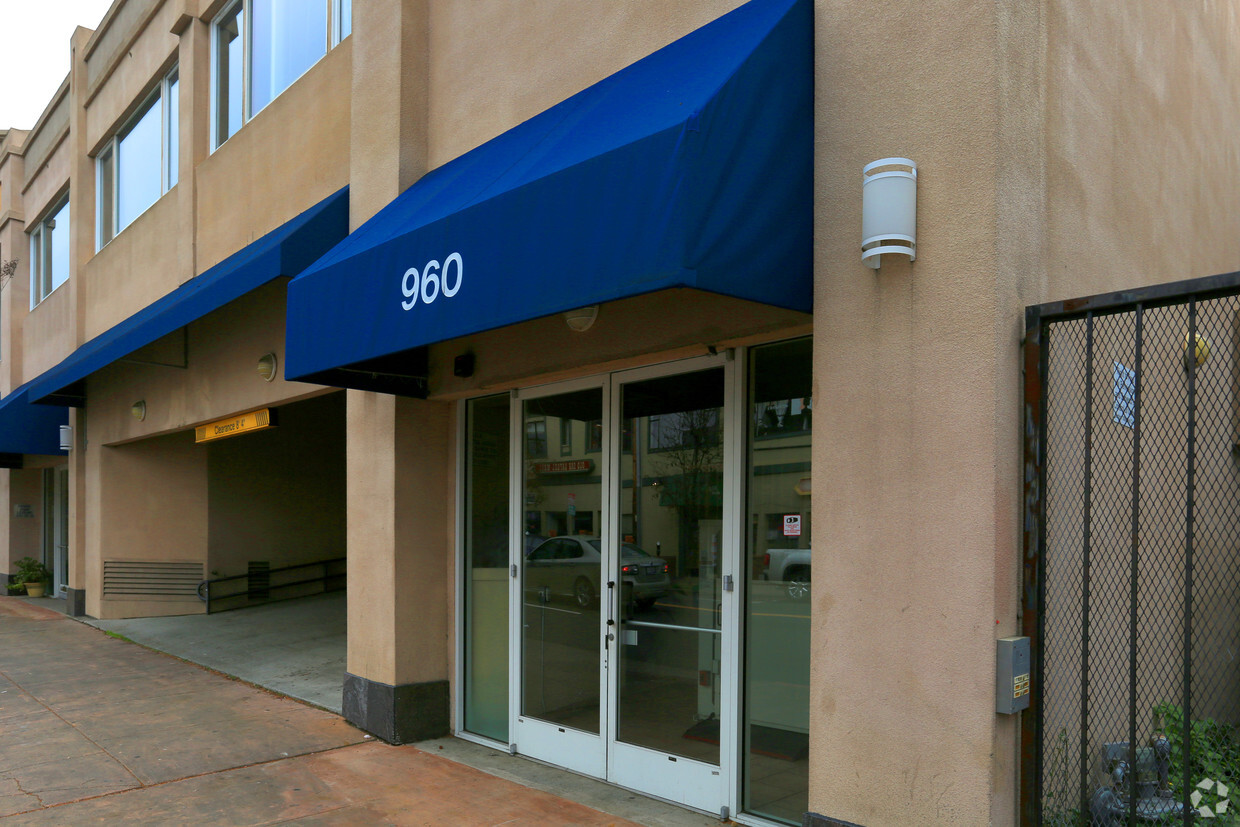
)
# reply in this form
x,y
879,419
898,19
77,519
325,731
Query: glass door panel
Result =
x,y
561,580
671,539
775,737
486,609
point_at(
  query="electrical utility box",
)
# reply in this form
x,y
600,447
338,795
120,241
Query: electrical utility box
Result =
x,y
1012,675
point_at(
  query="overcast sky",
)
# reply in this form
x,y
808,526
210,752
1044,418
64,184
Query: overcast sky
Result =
x,y
34,52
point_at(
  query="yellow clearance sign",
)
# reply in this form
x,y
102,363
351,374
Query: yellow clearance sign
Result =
x,y
246,423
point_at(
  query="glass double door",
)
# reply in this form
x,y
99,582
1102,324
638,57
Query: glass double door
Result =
x,y
623,618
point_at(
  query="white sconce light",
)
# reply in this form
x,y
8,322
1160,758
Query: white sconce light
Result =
x,y
582,319
888,210
139,410
66,437
267,366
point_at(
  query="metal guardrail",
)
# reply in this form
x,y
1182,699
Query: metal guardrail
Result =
x,y
330,576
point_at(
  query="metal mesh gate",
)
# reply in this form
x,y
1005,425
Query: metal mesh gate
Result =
x,y
1132,557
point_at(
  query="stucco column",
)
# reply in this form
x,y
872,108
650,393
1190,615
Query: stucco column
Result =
x,y
193,78
388,145
399,493
916,415
78,511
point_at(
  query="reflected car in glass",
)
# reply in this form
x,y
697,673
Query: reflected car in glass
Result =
x,y
568,567
790,566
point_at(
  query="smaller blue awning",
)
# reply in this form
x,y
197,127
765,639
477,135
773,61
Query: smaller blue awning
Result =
x,y
26,428
285,251
691,168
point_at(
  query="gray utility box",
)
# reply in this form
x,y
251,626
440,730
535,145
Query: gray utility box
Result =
x,y
1012,675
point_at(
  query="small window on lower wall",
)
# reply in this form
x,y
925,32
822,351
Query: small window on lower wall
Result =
x,y
775,731
485,632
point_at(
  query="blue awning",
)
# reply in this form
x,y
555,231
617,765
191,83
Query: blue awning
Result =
x,y
285,251
26,428
690,168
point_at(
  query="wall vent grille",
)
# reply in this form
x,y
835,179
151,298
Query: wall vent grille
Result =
x,y
151,578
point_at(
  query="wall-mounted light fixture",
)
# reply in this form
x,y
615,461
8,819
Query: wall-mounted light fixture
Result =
x,y
139,410
66,437
267,366
582,319
888,210
1195,356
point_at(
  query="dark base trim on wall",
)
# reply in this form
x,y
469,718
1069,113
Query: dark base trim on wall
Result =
x,y
75,602
397,714
815,820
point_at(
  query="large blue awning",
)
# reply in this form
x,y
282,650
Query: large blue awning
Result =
x,y
690,168
285,251
26,428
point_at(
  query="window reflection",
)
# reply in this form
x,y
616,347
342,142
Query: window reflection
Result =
x,y
288,37
228,68
138,155
775,730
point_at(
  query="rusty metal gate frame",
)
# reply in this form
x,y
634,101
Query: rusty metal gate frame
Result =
x,y
1033,597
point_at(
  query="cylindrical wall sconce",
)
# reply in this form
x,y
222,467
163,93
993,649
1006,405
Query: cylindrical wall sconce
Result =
x,y
888,210
66,437
138,409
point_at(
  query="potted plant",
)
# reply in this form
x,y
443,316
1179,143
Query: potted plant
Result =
x,y
34,575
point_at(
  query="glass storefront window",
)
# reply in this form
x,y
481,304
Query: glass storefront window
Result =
x,y
486,567
775,730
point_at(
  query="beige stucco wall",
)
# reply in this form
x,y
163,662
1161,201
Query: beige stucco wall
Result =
x,y
137,267
14,245
915,432
1142,163
124,64
285,160
494,64
208,373
1064,149
47,329
146,501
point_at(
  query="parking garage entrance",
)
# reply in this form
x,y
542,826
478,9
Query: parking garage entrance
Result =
x,y
630,583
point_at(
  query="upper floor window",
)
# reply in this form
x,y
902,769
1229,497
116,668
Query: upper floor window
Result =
x,y
139,164
259,47
49,252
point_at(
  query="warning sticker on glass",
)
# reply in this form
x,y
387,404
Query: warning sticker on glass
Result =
x,y
792,525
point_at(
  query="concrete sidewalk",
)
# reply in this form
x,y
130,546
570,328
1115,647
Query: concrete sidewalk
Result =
x,y
96,729
294,647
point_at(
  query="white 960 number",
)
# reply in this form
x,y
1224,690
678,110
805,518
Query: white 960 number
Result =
x,y
433,280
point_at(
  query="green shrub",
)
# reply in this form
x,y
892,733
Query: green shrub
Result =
x,y
1215,749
